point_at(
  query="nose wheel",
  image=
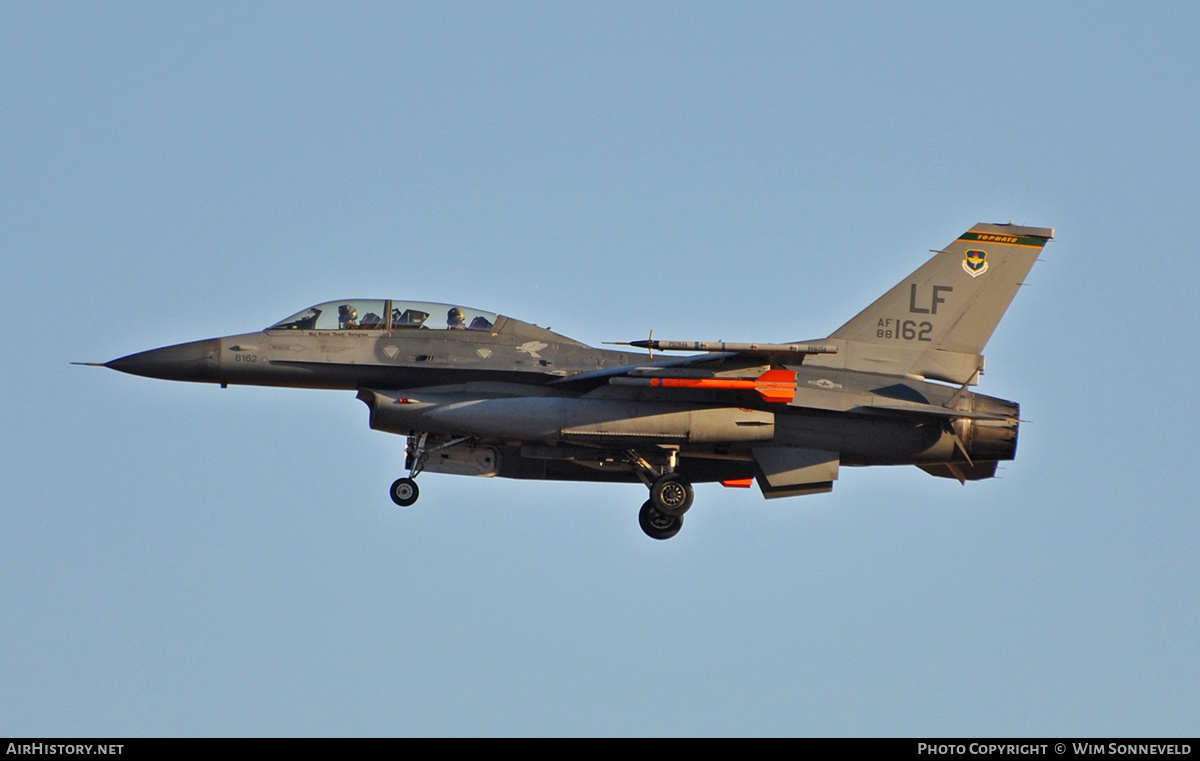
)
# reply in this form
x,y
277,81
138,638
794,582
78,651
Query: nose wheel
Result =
x,y
404,491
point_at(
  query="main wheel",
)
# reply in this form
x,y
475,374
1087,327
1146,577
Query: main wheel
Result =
x,y
404,491
672,495
656,525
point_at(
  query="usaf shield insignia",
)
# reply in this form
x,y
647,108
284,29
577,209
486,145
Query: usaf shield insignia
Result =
x,y
975,263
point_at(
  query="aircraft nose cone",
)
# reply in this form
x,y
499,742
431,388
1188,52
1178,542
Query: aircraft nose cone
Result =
x,y
195,361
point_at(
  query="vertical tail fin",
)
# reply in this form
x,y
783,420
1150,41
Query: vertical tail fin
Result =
x,y
936,321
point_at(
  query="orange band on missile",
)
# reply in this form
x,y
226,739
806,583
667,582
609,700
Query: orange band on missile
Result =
x,y
738,483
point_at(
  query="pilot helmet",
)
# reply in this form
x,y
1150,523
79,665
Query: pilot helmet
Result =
x,y
347,313
455,316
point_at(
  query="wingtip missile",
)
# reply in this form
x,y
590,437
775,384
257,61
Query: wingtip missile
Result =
x,y
805,347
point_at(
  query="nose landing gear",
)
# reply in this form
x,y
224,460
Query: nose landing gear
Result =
x,y
404,492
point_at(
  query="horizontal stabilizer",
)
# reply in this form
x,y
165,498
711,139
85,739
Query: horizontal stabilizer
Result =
x,y
839,399
934,410
961,471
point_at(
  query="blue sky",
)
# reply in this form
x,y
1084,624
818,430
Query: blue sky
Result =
x,y
184,560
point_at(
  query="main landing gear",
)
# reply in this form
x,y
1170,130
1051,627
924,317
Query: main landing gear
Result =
x,y
655,524
671,496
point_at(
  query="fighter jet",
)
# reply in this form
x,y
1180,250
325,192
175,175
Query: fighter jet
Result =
x,y
481,394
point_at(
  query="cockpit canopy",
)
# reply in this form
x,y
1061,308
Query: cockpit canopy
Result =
x,y
375,314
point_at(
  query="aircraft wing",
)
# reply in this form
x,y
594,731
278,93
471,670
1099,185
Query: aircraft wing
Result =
x,y
760,372
596,378
723,357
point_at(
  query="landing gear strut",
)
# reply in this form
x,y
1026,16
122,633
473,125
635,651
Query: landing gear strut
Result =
x,y
671,495
404,491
